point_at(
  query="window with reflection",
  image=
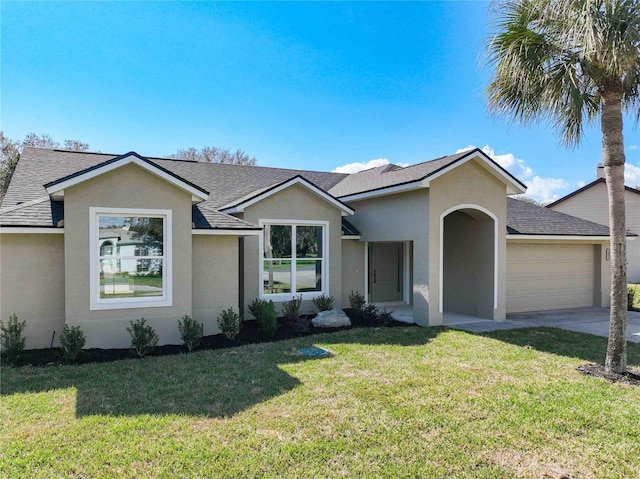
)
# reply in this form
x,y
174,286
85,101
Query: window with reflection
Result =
x,y
131,257
293,259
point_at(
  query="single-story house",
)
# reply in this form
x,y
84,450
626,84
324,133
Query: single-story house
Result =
x,y
97,240
591,202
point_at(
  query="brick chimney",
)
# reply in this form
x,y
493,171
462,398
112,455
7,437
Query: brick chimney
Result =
x,y
600,171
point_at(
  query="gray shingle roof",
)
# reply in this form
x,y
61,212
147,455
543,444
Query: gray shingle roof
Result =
x,y
27,203
392,175
225,183
527,219
348,229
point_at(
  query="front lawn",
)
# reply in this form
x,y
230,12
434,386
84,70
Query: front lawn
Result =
x,y
391,402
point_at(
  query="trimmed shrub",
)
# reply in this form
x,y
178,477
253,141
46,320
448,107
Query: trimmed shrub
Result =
x,y
357,302
323,302
230,323
370,313
291,309
143,337
255,307
269,319
631,297
72,340
11,339
385,317
191,332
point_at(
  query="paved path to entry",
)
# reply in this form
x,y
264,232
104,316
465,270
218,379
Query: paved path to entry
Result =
x,y
583,320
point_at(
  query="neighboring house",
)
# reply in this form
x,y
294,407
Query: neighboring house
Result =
x,y
591,202
98,240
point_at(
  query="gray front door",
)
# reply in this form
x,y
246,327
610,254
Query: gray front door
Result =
x,y
385,272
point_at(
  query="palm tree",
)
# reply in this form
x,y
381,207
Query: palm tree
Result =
x,y
570,62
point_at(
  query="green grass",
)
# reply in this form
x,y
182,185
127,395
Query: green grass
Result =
x,y
399,402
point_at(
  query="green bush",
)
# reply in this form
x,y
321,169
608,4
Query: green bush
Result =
x,y
230,323
357,302
291,310
323,302
631,297
370,313
385,317
269,319
191,332
143,337
12,340
255,307
72,340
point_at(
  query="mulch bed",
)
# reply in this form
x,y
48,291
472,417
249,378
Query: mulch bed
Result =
x,y
598,370
249,334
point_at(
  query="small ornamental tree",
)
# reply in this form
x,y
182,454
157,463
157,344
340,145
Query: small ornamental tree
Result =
x,y
143,337
11,339
191,332
72,340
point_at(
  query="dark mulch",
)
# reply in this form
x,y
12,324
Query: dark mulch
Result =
x,y
598,370
250,334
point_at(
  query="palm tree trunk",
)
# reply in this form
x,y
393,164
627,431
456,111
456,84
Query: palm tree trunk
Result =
x,y
613,161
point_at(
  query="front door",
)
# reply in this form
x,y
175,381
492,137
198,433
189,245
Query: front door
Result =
x,y
385,272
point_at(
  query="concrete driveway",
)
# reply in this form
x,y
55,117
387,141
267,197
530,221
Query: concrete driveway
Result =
x,y
583,320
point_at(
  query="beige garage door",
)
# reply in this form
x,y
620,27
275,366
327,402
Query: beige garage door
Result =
x,y
541,277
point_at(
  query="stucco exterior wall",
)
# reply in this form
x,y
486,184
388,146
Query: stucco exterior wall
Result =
x,y
468,276
126,187
401,217
32,283
468,184
215,278
593,204
353,269
293,203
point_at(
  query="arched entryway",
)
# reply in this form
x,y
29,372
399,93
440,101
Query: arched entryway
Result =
x,y
468,252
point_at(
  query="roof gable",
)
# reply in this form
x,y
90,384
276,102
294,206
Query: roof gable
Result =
x,y
56,188
586,187
240,205
383,181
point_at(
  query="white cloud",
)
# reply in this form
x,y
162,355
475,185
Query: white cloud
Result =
x,y
631,174
538,188
359,166
633,147
581,183
543,189
508,161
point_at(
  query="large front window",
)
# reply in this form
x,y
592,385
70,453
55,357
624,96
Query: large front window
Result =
x,y
130,258
293,259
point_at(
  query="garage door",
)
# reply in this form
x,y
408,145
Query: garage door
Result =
x,y
541,277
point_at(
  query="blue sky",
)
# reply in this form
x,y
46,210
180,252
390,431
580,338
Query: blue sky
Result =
x,y
297,85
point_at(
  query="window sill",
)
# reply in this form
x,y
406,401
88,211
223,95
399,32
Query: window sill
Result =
x,y
278,297
102,305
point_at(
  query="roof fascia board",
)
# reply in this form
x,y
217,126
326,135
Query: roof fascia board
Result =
x,y
390,190
226,232
298,180
350,237
30,230
512,237
513,187
57,190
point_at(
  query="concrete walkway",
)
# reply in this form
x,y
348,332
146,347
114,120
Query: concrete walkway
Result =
x,y
583,320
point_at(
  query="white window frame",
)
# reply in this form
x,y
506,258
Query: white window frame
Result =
x,y
325,260
97,303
